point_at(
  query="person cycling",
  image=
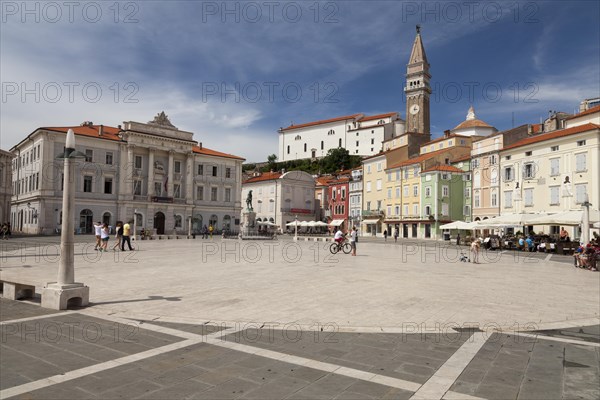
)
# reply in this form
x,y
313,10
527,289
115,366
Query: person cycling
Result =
x,y
339,236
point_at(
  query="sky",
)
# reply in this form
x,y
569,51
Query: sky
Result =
x,y
234,72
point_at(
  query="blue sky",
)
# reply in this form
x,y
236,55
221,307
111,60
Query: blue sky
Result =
x,y
335,58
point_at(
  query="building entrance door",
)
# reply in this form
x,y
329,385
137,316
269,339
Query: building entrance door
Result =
x,y
159,223
86,221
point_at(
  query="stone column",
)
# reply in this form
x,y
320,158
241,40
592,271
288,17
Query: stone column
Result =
x,y
170,172
150,191
189,179
128,187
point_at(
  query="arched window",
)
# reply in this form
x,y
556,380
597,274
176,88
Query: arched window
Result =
x,y
288,149
178,220
340,143
213,220
226,223
298,137
106,218
322,145
305,147
381,122
139,219
331,132
427,210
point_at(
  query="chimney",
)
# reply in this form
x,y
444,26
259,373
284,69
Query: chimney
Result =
x,y
446,133
100,130
282,171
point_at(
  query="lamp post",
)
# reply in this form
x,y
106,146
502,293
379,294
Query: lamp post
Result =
x,y
189,226
134,224
56,295
585,226
296,229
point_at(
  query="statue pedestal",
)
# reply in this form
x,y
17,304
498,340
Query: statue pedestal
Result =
x,y
249,229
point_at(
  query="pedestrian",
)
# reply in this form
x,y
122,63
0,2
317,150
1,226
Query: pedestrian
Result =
x,y
4,232
98,233
9,233
353,240
385,234
104,234
475,251
126,236
210,230
118,235
396,235
458,239
204,232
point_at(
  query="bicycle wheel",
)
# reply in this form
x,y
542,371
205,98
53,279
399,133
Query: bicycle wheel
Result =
x,y
334,248
347,248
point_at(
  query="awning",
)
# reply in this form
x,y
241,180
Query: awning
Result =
x,y
336,222
371,221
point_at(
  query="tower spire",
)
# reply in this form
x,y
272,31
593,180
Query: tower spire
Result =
x,y
417,88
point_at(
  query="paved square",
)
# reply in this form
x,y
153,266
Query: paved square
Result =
x,y
230,319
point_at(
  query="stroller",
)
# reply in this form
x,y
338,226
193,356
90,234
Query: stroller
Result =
x,y
463,257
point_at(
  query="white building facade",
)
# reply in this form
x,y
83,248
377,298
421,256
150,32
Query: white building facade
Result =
x,y
359,134
281,197
355,194
6,186
153,170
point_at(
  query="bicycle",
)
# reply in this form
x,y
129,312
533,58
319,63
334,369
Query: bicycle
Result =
x,y
341,246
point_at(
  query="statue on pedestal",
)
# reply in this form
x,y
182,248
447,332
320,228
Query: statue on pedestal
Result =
x,y
249,201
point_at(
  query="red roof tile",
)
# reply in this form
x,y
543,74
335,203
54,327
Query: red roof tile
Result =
x,y
323,121
445,168
214,153
586,112
418,159
465,158
553,135
379,116
265,176
472,123
108,132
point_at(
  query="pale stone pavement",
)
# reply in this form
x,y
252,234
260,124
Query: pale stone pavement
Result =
x,y
232,319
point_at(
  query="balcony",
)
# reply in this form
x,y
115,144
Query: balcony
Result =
x,y
372,213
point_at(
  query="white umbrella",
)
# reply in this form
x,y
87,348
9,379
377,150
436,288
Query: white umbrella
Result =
x,y
312,224
293,223
460,225
304,223
320,223
572,218
510,220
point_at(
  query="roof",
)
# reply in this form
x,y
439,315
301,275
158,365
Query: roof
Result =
x,y
108,132
553,135
472,123
418,159
417,53
323,180
378,116
444,168
465,158
265,176
323,121
209,152
452,135
586,112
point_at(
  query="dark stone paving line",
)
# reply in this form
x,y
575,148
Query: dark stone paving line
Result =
x,y
201,328
204,371
584,333
412,357
516,367
10,310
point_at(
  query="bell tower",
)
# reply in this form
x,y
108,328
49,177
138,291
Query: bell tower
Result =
x,y
417,88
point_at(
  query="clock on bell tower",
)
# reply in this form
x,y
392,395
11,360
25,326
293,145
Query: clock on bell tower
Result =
x,y
417,88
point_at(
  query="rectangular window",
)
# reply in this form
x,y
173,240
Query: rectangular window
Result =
x,y
89,155
397,210
405,190
137,187
493,159
108,185
368,186
213,194
177,167
389,177
581,143
476,201
200,193
333,194
271,206
444,208
445,177
389,210
378,184
177,191
428,191
227,172
109,158
369,169
528,194
467,193
415,209
157,188
554,148
37,181
398,192
508,197
554,166
214,171
494,199
200,169
528,153
368,206
528,171
580,193
378,205
389,193
138,162
405,209
416,171
508,174
554,195
445,191
357,143
467,210
378,166
87,184
406,173
580,162
415,190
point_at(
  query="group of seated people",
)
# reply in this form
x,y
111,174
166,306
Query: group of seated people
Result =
x,y
587,256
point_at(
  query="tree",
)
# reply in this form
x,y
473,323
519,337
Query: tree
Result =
x,y
272,161
336,159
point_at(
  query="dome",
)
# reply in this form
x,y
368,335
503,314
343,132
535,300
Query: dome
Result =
x,y
472,122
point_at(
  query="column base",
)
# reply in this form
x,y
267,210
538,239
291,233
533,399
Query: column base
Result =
x,y
58,297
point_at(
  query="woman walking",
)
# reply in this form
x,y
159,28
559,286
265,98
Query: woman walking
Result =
x,y
118,235
475,251
353,240
104,234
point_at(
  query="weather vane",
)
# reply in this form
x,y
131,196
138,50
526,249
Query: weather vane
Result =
x,y
418,28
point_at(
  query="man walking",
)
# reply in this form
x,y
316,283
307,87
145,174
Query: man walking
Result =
x,y
126,236
353,240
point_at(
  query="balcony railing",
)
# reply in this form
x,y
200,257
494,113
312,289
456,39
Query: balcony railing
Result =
x,y
372,213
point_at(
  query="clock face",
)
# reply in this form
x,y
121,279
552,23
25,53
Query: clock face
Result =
x,y
414,109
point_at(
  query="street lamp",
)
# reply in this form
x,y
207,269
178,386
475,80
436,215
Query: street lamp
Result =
x,y
56,295
585,226
296,229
